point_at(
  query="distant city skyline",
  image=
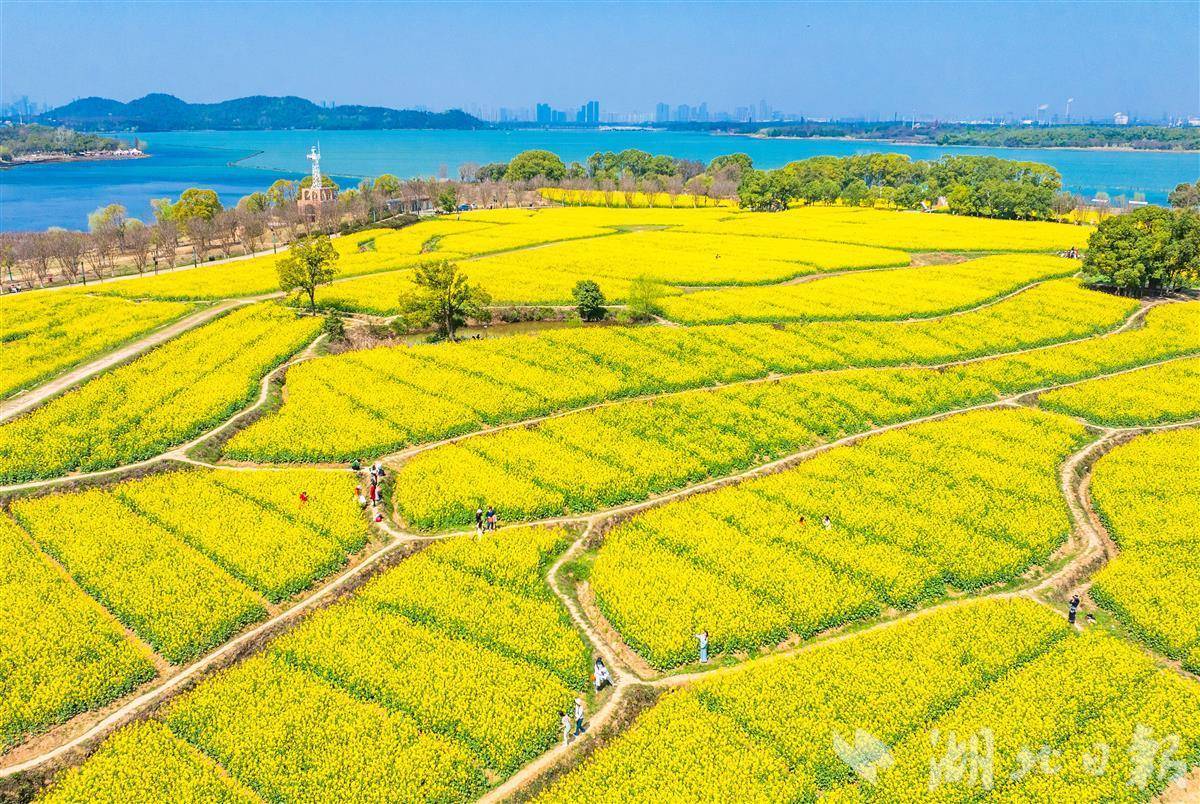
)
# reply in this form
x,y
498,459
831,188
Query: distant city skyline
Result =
x,y
821,60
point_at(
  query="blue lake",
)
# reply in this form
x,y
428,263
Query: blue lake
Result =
x,y
235,163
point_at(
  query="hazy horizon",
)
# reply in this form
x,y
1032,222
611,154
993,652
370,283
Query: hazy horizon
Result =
x,y
850,59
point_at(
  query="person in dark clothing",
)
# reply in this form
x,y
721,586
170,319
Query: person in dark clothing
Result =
x,y
1073,610
478,521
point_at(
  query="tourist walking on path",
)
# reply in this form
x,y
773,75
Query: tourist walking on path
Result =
x,y
601,678
703,637
566,726
478,522
578,716
1074,608
491,518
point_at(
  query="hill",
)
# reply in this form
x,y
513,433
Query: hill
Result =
x,y
160,112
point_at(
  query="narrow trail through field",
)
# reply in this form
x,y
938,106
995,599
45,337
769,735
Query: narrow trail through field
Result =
x,y
1089,547
179,452
1087,544
27,400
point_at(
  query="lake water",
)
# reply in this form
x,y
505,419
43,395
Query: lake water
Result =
x,y
235,163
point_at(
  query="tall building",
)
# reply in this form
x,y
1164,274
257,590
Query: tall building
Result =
x,y
764,110
591,112
544,114
683,114
700,113
662,113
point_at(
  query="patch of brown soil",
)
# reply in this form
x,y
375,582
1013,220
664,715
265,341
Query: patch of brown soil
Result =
x,y
628,656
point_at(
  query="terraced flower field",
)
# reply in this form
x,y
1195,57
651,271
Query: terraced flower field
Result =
x,y
186,559
967,698
379,401
362,253
158,401
546,274
456,662
45,333
885,617
1148,492
912,293
1154,395
967,501
624,452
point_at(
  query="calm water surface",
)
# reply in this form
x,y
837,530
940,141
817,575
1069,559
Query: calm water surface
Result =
x,y
235,163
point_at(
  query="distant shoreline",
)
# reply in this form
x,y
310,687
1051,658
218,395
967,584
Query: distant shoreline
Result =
x,y
43,159
1110,148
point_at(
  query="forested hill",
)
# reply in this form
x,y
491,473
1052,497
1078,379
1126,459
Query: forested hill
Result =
x,y
1155,138
160,112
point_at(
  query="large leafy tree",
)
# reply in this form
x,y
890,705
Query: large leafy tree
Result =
x,y
310,263
531,164
1186,196
442,297
1149,249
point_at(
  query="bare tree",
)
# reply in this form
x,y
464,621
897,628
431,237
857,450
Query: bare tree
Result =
x,y
68,249
166,242
228,228
202,232
674,187
253,228
99,252
138,244
36,251
467,171
628,189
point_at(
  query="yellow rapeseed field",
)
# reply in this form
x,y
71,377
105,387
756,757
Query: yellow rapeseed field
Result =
x,y
44,333
187,558
1148,493
157,401
61,653
910,293
955,705
968,500
1149,396
628,451
380,400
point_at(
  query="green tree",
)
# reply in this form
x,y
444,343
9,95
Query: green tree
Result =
x,y
387,185
334,325
589,300
767,191
195,203
282,192
447,199
443,298
310,263
1149,249
492,171
644,300
529,165
255,202
855,193
1185,196
909,196
110,218
326,181
742,162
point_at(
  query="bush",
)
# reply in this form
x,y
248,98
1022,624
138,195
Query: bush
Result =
x,y
334,326
589,300
645,296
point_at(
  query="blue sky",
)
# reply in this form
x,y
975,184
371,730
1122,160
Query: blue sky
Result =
x,y
946,59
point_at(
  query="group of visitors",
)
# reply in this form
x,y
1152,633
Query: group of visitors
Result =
x,y
484,520
374,494
567,719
